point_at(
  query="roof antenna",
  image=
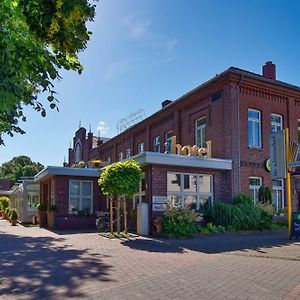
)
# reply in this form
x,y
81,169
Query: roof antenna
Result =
x,y
79,123
90,128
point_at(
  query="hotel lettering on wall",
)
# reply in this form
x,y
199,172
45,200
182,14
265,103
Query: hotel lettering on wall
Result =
x,y
277,155
188,150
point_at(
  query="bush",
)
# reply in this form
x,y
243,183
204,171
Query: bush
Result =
x,y
4,202
211,228
264,195
14,214
239,216
52,207
42,206
179,222
242,199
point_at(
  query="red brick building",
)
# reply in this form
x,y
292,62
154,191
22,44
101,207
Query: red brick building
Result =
x,y
234,113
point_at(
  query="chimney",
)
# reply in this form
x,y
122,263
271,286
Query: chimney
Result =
x,y
269,70
165,103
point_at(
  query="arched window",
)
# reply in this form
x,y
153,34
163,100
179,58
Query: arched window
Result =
x,y
78,151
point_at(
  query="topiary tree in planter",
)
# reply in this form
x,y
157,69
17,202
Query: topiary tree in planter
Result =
x,y
120,179
42,215
4,203
14,216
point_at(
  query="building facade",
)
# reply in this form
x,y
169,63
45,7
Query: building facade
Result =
x,y
234,113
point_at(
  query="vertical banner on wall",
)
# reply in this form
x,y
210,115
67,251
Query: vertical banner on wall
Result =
x,y
278,155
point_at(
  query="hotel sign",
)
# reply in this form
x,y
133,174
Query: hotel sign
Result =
x,y
189,150
277,155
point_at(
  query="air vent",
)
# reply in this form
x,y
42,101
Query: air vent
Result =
x,y
216,96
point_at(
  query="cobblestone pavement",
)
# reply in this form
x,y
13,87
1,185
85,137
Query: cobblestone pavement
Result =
x,y
39,264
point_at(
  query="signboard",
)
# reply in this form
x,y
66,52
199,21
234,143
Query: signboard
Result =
x,y
295,224
294,164
277,155
159,203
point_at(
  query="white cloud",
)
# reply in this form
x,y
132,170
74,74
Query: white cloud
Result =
x,y
115,69
102,127
137,28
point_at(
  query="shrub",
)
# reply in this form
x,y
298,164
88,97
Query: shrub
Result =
x,y
211,228
14,214
264,195
179,222
242,199
52,207
4,202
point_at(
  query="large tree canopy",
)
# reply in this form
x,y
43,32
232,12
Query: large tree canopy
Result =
x,y
37,38
20,166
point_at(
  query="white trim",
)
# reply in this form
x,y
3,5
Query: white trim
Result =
x,y
257,121
280,124
201,127
67,171
255,188
80,194
181,160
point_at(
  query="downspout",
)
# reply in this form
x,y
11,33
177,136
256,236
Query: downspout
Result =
x,y
239,135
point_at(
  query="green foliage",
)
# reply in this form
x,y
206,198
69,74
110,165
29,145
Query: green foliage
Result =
x,y
242,199
37,38
211,228
4,203
239,216
264,195
42,206
52,207
7,211
179,222
13,214
121,178
18,167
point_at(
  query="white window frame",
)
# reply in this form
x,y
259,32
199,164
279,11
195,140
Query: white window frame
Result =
x,y
255,188
121,156
202,129
156,144
276,189
198,194
278,125
298,130
255,121
80,194
128,153
140,147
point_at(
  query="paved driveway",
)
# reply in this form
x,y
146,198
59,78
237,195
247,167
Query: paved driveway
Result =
x,y
38,264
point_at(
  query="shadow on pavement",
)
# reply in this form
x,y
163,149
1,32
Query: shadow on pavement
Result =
x,y
221,243
37,267
152,246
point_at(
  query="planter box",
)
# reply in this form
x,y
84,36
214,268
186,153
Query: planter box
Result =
x,y
42,218
51,219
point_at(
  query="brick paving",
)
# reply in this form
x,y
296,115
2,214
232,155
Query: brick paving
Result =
x,y
39,264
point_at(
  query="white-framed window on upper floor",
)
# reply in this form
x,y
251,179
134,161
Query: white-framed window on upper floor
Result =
x,y
140,148
128,153
254,128
254,184
298,130
168,141
200,127
80,196
276,122
156,144
121,156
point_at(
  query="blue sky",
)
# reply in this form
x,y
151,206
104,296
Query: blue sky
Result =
x,y
143,52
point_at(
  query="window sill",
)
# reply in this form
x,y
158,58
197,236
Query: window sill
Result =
x,y
255,148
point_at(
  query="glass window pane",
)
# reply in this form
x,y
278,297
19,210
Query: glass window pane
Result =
x,y
205,202
190,202
204,184
86,188
256,134
250,133
253,114
190,183
173,182
74,188
74,204
174,201
86,204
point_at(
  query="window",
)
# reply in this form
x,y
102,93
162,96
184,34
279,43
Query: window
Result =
x,y
128,153
120,156
200,132
192,191
278,194
216,96
276,122
298,130
78,152
254,185
156,144
140,147
80,196
168,141
254,128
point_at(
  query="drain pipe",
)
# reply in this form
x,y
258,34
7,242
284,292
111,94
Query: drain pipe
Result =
x,y
239,134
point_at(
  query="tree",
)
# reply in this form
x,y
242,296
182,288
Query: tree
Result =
x,y
20,166
121,178
37,38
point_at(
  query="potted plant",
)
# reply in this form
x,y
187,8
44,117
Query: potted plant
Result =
x,y
42,216
7,213
4,203
13,216
52,208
